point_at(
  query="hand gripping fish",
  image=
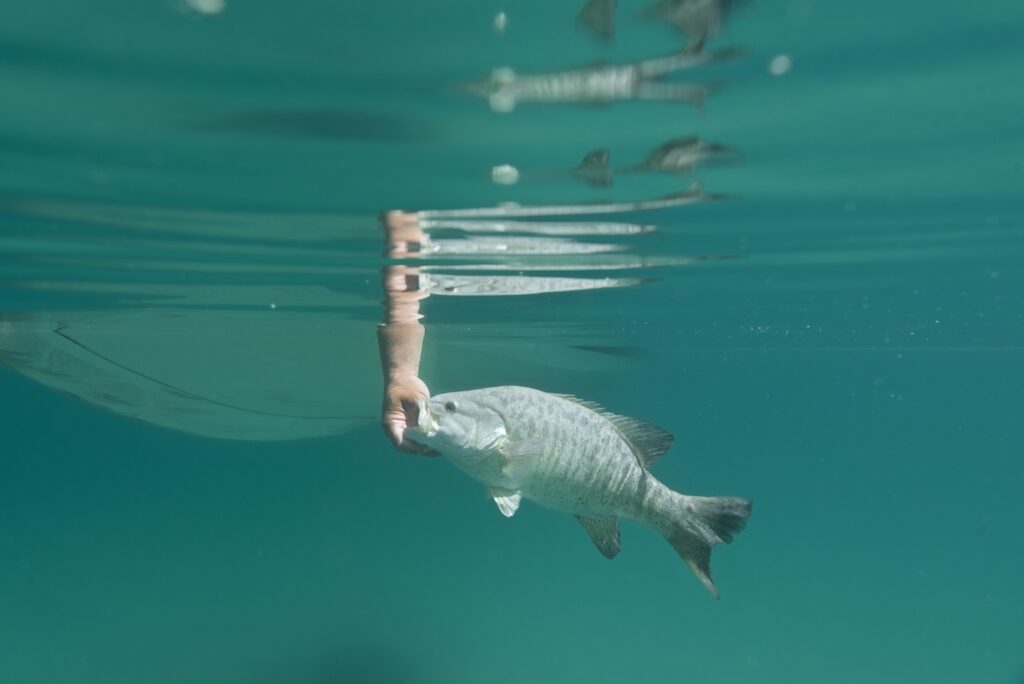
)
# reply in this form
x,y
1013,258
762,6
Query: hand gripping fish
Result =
x,y
574,456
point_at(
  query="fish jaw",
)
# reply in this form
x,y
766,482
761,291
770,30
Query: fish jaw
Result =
x,y
425,420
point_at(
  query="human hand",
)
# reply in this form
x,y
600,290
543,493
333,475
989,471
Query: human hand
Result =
x,y
400,411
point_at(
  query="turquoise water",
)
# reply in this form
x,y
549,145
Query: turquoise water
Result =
x,y
193,484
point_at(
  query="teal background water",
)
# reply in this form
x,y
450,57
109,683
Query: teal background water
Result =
x,y
855,366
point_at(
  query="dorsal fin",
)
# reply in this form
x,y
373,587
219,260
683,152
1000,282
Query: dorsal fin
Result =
x,y
595,159
599,17
595,168
649,441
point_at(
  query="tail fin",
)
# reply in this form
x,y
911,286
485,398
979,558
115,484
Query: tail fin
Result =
x,y
704,522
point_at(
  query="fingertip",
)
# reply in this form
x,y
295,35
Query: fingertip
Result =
x,y
395,433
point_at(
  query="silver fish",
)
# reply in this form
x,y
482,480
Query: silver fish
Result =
x,y
604,83
552,228
691,195
682,155
573,456
698,19
598,16
678,156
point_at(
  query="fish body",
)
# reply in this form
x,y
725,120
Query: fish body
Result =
x,y
552,228
514,246
682,155
575,457
598,16
698,19
599,84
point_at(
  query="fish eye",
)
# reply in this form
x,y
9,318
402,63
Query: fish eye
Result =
x,y
450,406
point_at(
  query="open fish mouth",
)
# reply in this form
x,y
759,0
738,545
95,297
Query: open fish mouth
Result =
x,y
425,420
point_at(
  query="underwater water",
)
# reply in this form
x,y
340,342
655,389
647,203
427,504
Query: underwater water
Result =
x,y
194,485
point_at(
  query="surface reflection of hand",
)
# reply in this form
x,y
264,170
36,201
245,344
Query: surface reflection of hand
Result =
x,y
402,283
404,233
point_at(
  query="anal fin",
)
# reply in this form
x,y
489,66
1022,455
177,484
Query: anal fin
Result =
x,y
604,532
506,500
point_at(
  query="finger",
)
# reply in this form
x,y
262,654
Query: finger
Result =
x,y
395,432
412,411
411,447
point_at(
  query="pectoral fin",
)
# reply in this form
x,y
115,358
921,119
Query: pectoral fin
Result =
x,y
604,532
520,457
526,448
507,500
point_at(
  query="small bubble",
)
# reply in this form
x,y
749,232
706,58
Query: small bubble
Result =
x,y
505,174
500,22
207,6
273,306
780,65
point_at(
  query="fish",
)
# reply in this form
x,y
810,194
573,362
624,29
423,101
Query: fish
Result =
x,y
694,194
512,285
677,156
598,16
594,169
682,155
552,228
574,456
514,246
698,19
599,84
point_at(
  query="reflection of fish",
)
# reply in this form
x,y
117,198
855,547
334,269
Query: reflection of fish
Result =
x,y
575,457
598,84
513,246
504,285
599,17
699,19
692,195
594,169
549,228
682,155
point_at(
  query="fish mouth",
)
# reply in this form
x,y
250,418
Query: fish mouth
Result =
x,y
425,421
429,426
426,427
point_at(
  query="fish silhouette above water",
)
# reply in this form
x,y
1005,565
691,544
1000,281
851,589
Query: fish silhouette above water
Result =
x,y
573,456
